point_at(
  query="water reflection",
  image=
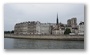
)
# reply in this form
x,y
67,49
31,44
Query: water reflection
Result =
x,y
43,44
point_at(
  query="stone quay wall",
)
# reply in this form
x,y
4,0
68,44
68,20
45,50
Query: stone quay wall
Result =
x,y
53,37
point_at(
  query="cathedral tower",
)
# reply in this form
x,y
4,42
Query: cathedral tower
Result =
x,y
57,19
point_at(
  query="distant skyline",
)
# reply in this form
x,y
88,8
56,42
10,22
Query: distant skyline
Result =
x,y
45,13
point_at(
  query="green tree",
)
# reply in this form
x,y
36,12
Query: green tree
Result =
x,y
12,31
67,31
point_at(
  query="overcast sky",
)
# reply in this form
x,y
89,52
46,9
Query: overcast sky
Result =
x,y
45,13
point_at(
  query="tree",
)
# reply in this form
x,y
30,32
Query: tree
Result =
x,y
12,31
67,31
9,32
6,32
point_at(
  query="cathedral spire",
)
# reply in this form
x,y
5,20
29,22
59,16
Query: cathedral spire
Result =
x,y
57,20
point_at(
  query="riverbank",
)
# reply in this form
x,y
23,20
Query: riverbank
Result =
x,y
52,37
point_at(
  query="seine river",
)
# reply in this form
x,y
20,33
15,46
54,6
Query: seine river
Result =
x,y
10,43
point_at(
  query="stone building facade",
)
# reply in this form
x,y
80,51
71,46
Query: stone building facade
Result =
x,y
32,28
25,28
35,27
81,27
39,28
72,25
42,28
72,22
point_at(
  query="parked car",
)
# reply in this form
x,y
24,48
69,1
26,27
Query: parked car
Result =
x,y
72,34
80,33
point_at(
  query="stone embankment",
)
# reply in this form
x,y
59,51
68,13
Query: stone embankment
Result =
x,y
53,37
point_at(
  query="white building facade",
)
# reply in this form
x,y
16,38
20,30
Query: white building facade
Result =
x,y
42,28
81,27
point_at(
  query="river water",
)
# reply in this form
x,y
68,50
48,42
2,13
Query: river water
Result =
x,y
10,43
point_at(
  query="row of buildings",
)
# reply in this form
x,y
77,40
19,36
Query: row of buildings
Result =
x,y
35,27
